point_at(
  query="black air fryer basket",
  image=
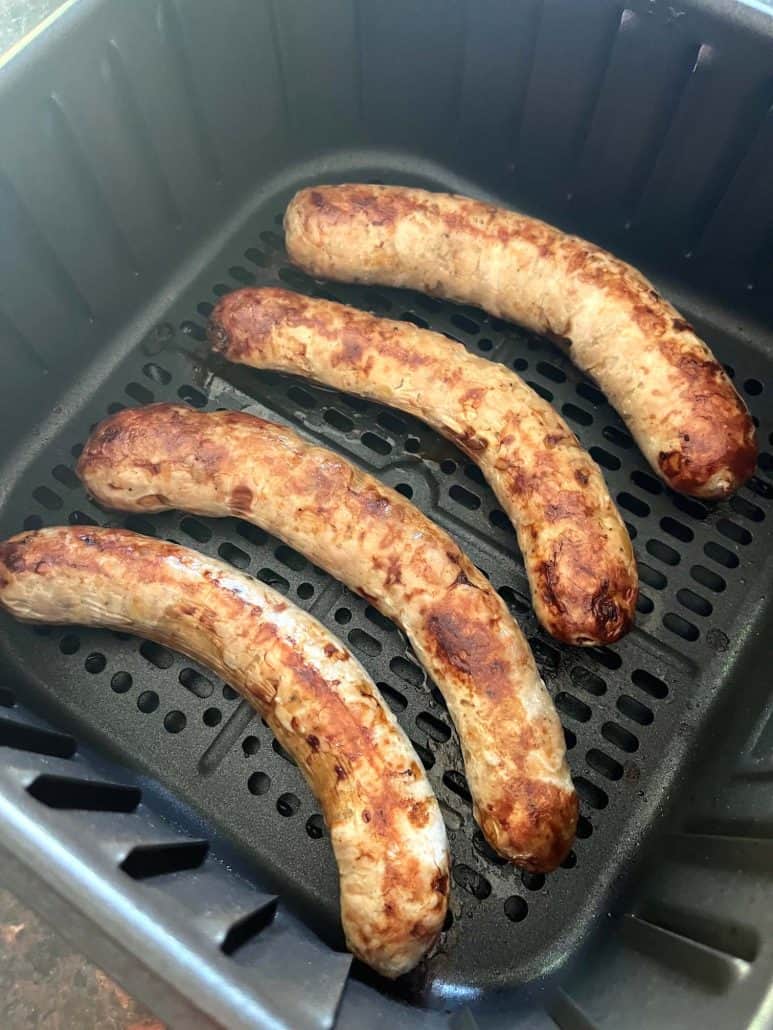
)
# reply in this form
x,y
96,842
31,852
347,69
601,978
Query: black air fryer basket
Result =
x,y
149,150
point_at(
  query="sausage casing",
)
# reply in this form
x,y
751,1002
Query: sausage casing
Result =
x,y
385,824
229,463
675,397
576,550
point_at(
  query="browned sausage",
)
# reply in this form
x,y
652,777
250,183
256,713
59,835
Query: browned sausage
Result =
x,y
674,395
576,549
229,463
385,824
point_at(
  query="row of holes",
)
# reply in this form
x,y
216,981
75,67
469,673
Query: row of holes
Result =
x,y
675,623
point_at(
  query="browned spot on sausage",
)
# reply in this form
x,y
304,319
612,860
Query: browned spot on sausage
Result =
x,y
440,883
682,326
12,555
374,503
462,580
550,587
717,434
217,336
350,352
649,319
568,505
418,813
313,741
393,571
539,820
467,441
473,396
241,498
604,608
469,646
553,439
670,463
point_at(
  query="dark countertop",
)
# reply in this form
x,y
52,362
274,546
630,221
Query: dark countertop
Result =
x,y
47,985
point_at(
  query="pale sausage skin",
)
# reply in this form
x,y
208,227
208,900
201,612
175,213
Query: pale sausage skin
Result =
x,y
384,548
576,550
675,397
387,832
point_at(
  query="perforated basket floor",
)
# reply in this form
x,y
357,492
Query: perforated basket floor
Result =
x,y
631,712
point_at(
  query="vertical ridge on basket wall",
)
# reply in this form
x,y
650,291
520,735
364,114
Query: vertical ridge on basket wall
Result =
x,y
499,43
193,149
161,200
704,130
644,78
402,88
59,301
572,49
91,220
742,219
321,39
238,84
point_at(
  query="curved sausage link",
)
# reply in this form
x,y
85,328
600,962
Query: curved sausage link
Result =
x,y
674,395
575,547
385,824
384,548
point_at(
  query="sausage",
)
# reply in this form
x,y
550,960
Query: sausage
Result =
x,y
230,463
576,550
679,405
385,824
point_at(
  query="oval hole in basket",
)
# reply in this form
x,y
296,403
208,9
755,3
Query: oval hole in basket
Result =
x,y
620,737
157,654
694,602
635,710
588,681
433,727
746,509
605,458
396,701
681,627
573,707
720,554
195,529
649,684
590,793
633,504
457,783
365,642
338,420
516,909
195,682
605,766
708,578
407,670
234,555
43,495
663,552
